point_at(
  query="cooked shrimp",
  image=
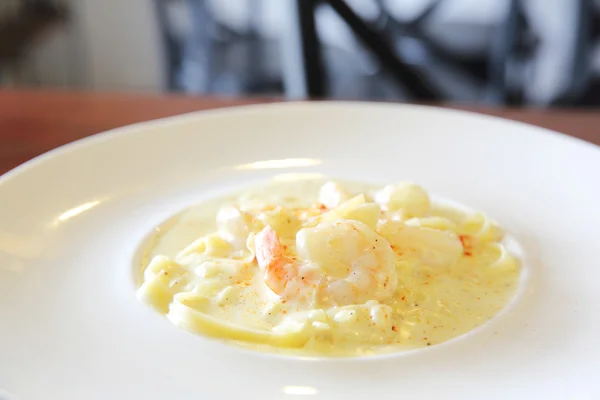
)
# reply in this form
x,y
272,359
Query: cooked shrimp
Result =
x,y
339,263
279,269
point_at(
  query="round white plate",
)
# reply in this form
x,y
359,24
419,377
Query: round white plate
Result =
x,y
71,327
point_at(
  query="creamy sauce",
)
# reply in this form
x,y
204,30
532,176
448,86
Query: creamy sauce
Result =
x,y
367,269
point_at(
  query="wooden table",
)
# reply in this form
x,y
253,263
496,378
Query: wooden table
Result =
x,y
33,122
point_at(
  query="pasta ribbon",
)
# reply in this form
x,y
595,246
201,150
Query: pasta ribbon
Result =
x,y
342,211
156,295
197,321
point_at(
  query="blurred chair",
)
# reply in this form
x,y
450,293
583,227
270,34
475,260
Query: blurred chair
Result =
x,y
407,53
583,86
19,30
394,59
204,56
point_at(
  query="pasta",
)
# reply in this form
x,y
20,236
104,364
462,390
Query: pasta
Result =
x,y
329,268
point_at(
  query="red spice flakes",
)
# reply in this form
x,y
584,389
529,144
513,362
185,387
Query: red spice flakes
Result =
x,y
403,297
467,243
321,207
394,328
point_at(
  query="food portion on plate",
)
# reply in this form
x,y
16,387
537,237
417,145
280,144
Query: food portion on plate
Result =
x,y
329,268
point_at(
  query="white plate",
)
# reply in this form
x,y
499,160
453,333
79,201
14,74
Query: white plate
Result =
x,y
70,222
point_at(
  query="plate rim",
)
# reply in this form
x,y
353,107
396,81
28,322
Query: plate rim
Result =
x,y
217,112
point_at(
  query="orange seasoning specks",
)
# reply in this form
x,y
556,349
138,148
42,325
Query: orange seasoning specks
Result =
x,y
467,243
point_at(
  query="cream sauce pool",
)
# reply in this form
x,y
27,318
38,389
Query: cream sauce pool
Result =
x,y
312,267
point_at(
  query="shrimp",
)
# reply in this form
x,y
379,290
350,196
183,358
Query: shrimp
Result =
x,y
279,269
338,263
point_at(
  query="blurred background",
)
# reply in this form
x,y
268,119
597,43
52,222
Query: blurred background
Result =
x,y
496,52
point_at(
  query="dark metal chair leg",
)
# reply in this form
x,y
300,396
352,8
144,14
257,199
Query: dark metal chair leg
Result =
x,y
403,74
502,48
304,74
583,46
314,73
580,64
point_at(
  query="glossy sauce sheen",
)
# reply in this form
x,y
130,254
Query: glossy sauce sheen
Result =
x,y
217,288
